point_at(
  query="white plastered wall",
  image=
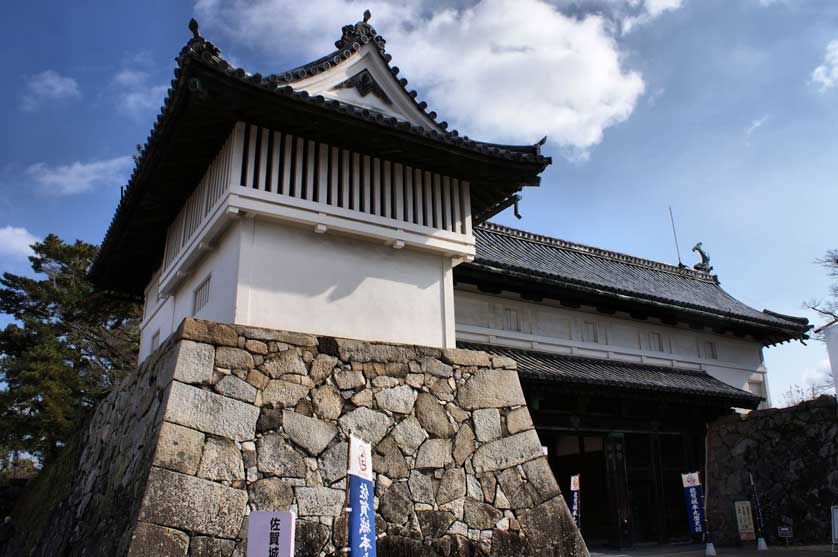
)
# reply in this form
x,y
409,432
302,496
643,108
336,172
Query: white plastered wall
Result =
x,y
285,277
293,279
510,321
219,264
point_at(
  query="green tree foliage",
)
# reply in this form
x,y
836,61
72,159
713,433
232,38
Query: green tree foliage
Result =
x,y
67,346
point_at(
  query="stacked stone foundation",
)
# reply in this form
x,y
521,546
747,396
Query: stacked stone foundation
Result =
x,y
793,456
224,420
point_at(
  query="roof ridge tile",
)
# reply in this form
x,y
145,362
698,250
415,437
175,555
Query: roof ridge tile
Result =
x,y
601,252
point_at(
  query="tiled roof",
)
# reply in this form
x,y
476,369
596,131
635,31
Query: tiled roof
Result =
x,y
560,368
500,247
353,38
149,204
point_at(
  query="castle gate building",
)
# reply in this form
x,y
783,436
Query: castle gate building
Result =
x,y
329,200
624,361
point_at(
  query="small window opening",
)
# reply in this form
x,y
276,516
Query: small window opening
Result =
x,y
201,296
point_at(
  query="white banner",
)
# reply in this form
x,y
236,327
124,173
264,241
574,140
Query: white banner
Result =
x,y
691,479
360,458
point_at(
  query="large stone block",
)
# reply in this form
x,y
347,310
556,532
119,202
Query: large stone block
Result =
x,y
179,448
551,525
349,379
211,413
284,362
151,540
319,501
193,362
327,402
322,367
360,351
332,463
434,367
487,424
309,433
541,478
432,416
283,394
396,505
275,456
506,452
266,335
518,420
470,358
368,424
233,387
388,460
222,460
271,494
452,486
495,388
421,487
480,515
205,546
233,358
434,524
188,503
463,444
409,434
209,332
398,399
434,453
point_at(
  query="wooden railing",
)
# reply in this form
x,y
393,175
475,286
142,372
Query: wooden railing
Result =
x,y
200,205
301,168
288,170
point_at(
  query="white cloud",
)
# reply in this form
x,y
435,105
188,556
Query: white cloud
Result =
x,y
501,70
78,177
754,126
136,96
16,241
48,86
826,75
647,11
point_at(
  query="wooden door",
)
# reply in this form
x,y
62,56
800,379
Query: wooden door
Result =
x,y
618,495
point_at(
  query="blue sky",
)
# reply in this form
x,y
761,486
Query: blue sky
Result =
x,y
727,110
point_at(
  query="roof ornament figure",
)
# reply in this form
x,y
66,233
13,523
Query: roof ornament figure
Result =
x,y
705,259
193,26
353,37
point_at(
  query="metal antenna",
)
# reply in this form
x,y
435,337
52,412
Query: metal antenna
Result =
x,y
675,235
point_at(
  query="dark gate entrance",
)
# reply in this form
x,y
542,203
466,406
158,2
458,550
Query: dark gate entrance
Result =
x,y
630,453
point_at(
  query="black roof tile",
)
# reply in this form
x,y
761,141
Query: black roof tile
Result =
x,y
500,247
575,370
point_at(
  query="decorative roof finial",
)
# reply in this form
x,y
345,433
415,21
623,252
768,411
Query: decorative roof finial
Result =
x,y
193,26
367,16
705,259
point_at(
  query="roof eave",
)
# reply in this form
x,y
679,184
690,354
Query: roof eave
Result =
x,y
776,334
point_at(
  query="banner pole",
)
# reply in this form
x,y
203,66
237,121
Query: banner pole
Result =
x,y
709,548
761,545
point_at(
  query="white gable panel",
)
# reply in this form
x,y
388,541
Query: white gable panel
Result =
x,y
329,84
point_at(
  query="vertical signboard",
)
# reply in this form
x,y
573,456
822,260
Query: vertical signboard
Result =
x,y
575,502
834,528
270,534
745,521
361,516
694,500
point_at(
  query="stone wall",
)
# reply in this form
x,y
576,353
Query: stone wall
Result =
x,y
86,501
224,420
793,455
